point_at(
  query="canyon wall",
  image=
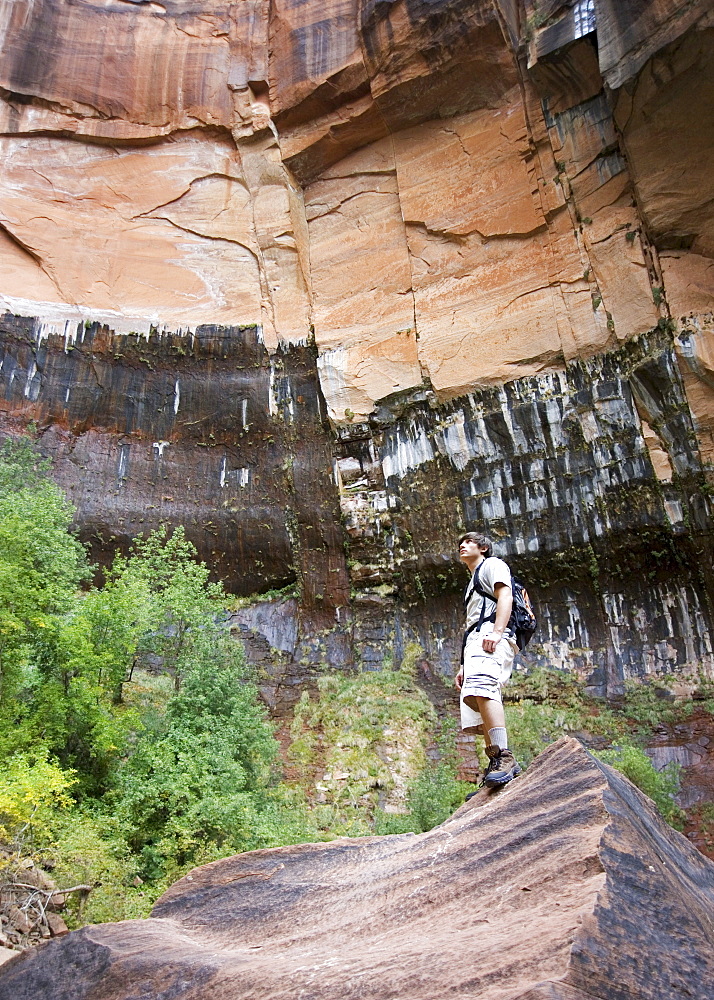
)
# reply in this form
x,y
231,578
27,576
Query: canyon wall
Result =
x,y
329,285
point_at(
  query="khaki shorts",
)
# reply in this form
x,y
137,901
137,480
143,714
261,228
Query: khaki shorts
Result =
x,y
484,674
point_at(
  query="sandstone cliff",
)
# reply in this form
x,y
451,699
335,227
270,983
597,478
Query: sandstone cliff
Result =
x,y
438,193
329,284
567,885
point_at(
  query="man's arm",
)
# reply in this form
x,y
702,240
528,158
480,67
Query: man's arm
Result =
x,y
504,605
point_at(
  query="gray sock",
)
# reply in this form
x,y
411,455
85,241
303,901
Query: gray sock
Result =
x,y
497,737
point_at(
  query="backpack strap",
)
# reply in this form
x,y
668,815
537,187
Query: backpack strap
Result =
x,y
474,586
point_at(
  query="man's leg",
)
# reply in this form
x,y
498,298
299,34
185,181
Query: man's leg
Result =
x,y
494,723
503,766
484,676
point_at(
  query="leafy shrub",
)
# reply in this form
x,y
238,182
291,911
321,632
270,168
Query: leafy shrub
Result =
x,y
201,784
32,790
86,851
660,786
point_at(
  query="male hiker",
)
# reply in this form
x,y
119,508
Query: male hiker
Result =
x,y
488,651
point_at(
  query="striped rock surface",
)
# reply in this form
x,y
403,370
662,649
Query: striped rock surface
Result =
x,y
566,885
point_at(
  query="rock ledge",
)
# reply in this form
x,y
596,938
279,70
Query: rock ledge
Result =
x,y
566,885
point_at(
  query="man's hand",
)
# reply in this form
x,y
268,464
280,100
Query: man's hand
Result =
x,y
492,640
459,679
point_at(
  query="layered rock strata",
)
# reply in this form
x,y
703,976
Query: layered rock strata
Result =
x,y
571,854
329,285
208,431
463,192
589,481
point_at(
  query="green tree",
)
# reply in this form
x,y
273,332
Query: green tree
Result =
x,y
181,603
62,652
41,563
198,788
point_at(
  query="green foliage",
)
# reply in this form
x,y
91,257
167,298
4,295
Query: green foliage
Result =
x,y
531,727
41,563
21,465
648,705
366,734
85,851
434,793
53,669
433,796
132,741
538,19
32,790
660,786
550,704
544,684
361,749
707,817
179,601
285,817
201,784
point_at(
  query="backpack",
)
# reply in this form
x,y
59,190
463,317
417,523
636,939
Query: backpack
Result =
x,y
522,622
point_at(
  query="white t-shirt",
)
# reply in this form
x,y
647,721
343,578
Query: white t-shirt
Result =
x,y
490,572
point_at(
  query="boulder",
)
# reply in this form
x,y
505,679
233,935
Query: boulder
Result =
x,y
566,885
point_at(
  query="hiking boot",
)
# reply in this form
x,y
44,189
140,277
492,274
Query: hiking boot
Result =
x,y
502,767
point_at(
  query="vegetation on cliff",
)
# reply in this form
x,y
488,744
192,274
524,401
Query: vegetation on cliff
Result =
x,y
133,744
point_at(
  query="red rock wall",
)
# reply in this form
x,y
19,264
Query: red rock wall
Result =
x,y
428,203
438,191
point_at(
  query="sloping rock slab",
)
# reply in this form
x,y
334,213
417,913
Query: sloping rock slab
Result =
x,y
566,885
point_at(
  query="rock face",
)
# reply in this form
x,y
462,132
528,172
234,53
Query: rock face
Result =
x,y
437,191
567,885
329,284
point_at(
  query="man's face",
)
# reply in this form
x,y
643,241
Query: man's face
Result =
x,y
469,550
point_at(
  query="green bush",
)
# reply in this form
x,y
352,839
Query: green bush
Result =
x,y
200,785
660,786
33,789
86,851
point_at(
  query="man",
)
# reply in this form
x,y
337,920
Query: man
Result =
x,y
488,652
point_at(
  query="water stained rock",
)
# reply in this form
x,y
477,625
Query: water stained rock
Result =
x,y
208,430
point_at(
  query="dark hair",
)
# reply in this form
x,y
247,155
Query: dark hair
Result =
x,y
481,540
